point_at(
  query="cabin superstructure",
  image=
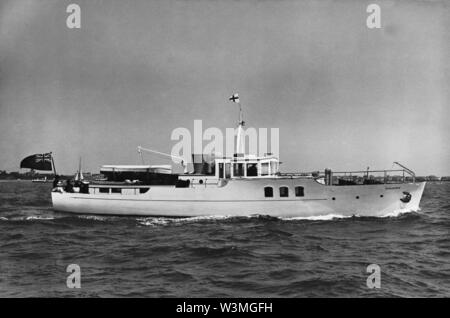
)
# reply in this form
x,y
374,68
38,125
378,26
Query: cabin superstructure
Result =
x,y
246,166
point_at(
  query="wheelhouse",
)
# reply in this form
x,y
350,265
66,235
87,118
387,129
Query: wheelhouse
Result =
x,y
246,166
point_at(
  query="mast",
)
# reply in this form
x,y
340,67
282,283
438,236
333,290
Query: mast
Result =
x,y
240,131
140,154
79,168
239,149
53,164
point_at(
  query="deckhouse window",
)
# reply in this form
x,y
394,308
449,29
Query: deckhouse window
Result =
x,y
284,192
221,172
103,190
268,192
299,192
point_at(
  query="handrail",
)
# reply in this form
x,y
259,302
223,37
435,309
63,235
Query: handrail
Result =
x,y
344,174
409,171
366,171
305,174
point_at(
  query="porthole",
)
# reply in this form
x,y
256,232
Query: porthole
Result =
x,y
357,197
200,181
333,198
284,192
268,192
299,191
381,195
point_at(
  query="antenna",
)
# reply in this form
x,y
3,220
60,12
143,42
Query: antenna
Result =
x,y
140,154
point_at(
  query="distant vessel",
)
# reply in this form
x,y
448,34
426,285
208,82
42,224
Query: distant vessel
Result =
x,y
79,175
42,180
241,185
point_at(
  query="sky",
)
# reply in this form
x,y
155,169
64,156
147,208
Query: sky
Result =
x,y
342,95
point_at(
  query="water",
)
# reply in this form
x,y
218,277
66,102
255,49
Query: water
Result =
x,y
220,257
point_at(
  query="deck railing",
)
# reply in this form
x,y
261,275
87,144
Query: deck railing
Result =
x,y
358,176
377,176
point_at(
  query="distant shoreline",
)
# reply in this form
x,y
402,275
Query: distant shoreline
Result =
x,y
12,180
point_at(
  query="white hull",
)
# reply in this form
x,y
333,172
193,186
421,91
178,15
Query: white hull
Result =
x,y
246,197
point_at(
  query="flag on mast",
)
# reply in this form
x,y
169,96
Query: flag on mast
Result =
x,y
38,162
234,98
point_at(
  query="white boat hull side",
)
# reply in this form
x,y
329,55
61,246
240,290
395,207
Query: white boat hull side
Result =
x,y
245,198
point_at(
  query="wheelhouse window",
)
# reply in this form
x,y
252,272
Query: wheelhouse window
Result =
x,y
299,191
116,190
265,169
238,169
274,167
252,170
268,192
284,192
228,170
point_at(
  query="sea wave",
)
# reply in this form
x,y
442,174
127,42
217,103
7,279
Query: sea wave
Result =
x,y
161,221
324,217
333,216
39,217
27,218
253,256
95,217
167,221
